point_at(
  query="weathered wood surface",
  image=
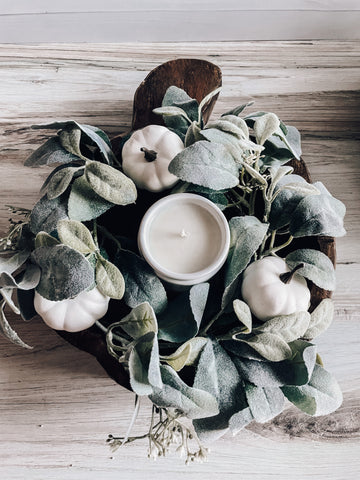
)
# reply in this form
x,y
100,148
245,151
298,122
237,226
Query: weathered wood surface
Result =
x,y
56,404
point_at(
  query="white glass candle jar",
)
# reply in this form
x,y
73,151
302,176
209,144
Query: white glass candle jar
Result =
x,y
185,238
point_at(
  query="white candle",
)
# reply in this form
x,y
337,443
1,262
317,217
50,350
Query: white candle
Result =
x,y
185,238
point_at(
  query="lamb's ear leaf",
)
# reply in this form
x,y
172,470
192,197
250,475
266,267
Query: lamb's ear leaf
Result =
x,y
76,235
321,396
142,285
46,214
181,320
51,152
64,272
321,318
317,267
84,204
11,263
247,233
193,402
8,331
217,374
109,279
265,402
110,184
144,366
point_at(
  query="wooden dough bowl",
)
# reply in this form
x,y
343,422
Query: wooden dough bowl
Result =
x,y
197,78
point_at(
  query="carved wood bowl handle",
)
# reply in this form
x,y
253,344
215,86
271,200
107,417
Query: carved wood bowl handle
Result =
x,y
197,78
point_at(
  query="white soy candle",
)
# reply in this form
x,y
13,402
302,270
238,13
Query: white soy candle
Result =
x,y
185,238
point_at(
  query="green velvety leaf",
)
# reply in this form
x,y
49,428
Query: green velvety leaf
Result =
x,y
194,403
287,199
43,239
321,396
140,321
109,279
207,164
227,126
64,272
59,182
110,184
247,234
177,97
25,300
243,313
295,370
270,345
181,320
321,318
51,152
171,111
92,135
75,235
6,294
291,140
265,402
239,122
11,263
237,110
317,267
70,140
186,354
317,215
219,198
8,332
208,97
144,365
193,134
141,283
26,280
217,374
287,327
84,204
46,214
265,126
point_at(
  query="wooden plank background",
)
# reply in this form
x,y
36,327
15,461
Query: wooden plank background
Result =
x,y
177,20
56,404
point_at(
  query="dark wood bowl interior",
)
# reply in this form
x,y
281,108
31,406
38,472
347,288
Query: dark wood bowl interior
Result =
x,y
197,78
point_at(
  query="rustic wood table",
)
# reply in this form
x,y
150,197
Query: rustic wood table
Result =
x,y
57,405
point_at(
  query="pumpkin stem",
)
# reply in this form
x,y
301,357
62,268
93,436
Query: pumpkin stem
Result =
x,y
286,277
150,155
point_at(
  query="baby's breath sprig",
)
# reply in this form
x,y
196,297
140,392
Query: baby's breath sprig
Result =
x,y
167,429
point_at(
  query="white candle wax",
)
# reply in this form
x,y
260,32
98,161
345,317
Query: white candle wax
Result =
x,y
185,238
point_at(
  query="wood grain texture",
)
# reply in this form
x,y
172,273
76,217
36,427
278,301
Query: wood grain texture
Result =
x,y
56,404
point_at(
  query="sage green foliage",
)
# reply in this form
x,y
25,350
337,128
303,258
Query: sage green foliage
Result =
x,y
295,370
84,204
321,318
110,184
46,214
25,280
7,331
265,403
187,354
272,337
206,164
181,320
60,182
217,374
109,279
317,267
50,153
43,239
321,396
75,235
11,263
64,272
193,402
247,233
141,283
243,313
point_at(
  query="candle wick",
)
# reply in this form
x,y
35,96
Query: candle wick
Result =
x,y
184,234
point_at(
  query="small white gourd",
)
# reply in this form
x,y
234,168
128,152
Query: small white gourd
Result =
x,y
72,314
271,289
146,157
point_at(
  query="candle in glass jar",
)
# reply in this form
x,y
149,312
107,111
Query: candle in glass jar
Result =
x,y
185,238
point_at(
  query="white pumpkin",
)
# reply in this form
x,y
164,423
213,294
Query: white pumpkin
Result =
x,y
146,157
72,314
268,295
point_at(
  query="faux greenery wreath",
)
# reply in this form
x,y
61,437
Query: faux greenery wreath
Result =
x,y
222,353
